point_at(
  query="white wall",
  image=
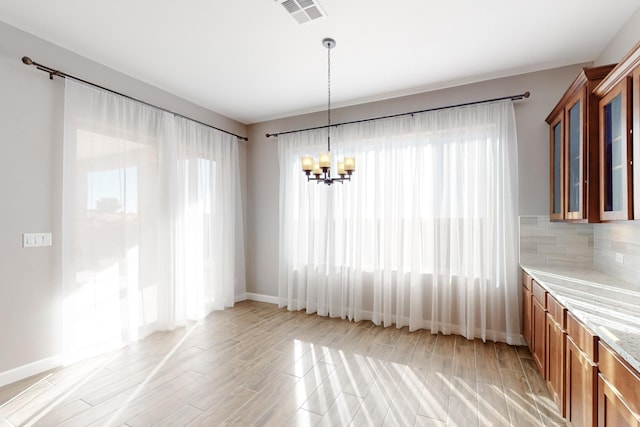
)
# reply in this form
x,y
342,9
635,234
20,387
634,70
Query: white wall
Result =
x,y
31,108
546,88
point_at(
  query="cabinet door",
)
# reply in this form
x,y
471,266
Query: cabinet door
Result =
x,y
636,142
556,338
615,155
581,386
538,317
526,316
618,389
575,158
612,411
556,179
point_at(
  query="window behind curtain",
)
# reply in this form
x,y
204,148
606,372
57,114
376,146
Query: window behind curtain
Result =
x,y
110,237
425,233
152,226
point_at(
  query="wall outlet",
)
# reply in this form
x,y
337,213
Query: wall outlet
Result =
x,y
619,258
33,240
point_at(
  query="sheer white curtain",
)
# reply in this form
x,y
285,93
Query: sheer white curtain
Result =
x,y
151,220
424,235
206,265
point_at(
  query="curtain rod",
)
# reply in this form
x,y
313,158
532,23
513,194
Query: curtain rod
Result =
x,y
27,61
512,97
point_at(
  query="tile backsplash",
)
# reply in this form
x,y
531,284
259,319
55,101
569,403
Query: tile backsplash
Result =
x,y
613,248
546,243
621,239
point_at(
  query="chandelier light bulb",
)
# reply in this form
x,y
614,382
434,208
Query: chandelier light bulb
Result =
x,y
307,164
350,164
316,169
325,160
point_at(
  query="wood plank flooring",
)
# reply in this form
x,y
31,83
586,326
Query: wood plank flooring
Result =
x,y
256,364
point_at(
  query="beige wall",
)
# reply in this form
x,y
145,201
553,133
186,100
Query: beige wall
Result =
x,y
546,88
620,238
624,40
31,108
30,134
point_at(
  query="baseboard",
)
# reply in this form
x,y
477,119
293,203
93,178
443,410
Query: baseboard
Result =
x,y
240,297
25,371
262,298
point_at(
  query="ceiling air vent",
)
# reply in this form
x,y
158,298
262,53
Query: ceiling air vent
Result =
x,y
303,10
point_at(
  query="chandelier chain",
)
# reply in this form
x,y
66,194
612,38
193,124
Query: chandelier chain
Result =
x,y
329,98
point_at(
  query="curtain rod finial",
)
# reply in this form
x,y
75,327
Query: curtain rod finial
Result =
x,y
26,60
527,94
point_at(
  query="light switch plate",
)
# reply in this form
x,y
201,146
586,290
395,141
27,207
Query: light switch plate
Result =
x,y
33,240
619,258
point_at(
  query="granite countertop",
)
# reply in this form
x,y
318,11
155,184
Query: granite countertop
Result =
x,y
609,306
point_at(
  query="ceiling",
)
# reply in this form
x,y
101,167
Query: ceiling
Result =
x,y
251,61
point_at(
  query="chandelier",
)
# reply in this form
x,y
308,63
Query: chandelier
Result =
x,y
320,170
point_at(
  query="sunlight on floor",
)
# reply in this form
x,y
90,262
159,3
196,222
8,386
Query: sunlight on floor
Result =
x,y
149,377
63,392
396,389
256,364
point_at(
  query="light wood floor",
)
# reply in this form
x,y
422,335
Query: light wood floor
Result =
x,y
257,364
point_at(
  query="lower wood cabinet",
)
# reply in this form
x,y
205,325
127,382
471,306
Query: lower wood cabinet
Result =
x,y
538,328
526,307
618,391
581,374
556,351
591,384
612,411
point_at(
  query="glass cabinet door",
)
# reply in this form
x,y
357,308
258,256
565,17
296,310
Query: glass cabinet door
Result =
x,y
557,169
613,155
614,170
575,159
636,143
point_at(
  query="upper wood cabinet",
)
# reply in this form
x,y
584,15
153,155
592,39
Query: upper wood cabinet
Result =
x,y
636,140
615,154
619,98
556,188
573,123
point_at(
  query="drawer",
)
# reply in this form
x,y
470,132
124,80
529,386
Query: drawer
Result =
x,y
539,293
526,280
582,336
620,375
557,311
